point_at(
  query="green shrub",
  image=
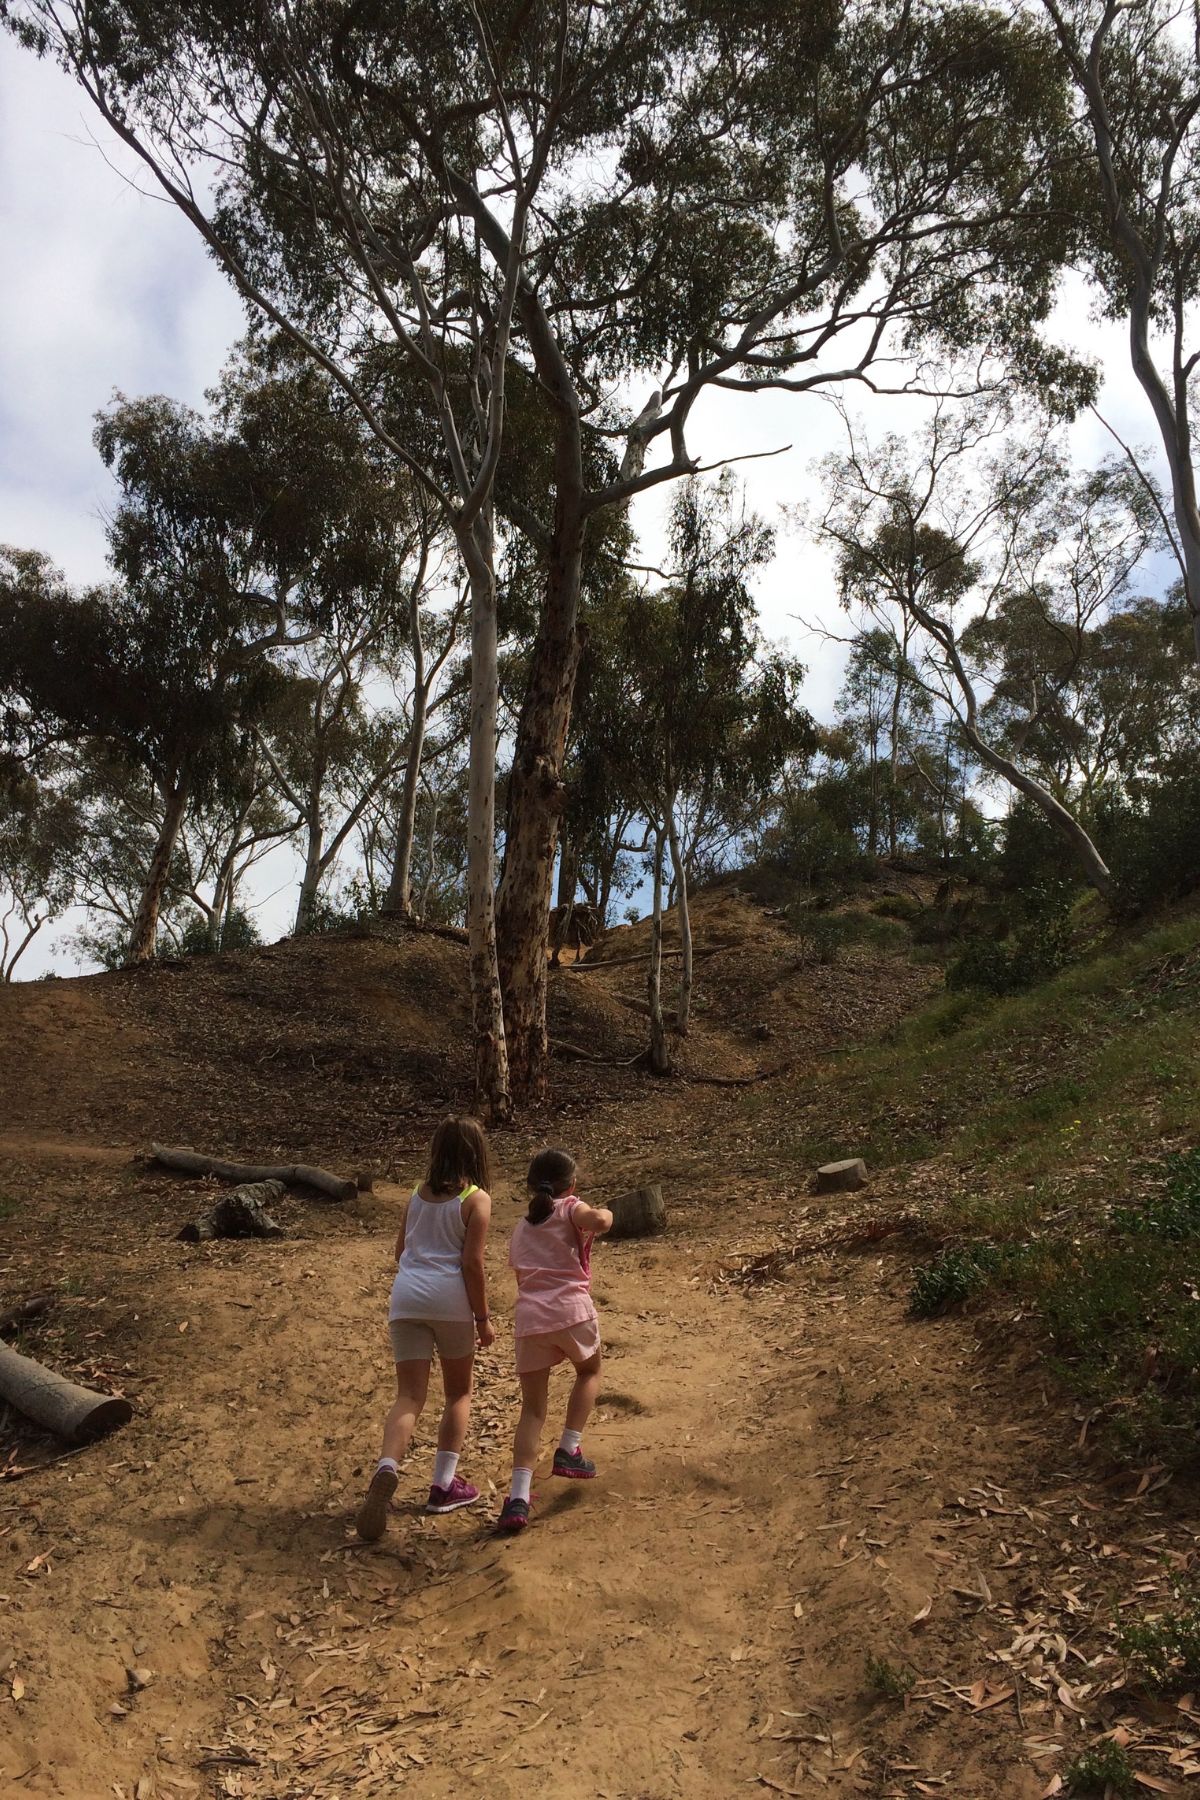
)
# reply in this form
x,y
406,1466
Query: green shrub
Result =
x,y
899,906
808,845
1103,1769
1151,841
1173,1214
1041,945
953,1276
238,932
828,932
886,1680
1164,1651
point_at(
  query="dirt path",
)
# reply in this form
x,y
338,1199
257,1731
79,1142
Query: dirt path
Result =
x,y
788,1480
209,1545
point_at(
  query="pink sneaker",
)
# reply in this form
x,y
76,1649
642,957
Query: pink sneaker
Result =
x,y
449,1499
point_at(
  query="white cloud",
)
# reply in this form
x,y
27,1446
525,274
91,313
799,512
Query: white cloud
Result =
x,y
101,287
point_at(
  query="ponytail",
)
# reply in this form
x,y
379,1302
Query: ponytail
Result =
x,y
551,1173
542,1203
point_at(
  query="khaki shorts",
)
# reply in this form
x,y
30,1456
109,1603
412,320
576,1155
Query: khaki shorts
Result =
x,y
415,1340
543,1349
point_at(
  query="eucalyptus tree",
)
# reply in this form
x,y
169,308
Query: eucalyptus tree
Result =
x,y
981,542
702,713
165,681
39,831
1134,67
784,195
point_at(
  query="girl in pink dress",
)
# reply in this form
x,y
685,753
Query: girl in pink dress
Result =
x,y
555,1322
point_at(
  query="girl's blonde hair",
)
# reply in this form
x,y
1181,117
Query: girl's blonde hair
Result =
x,y
458,1156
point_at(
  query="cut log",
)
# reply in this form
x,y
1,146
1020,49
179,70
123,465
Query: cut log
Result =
x,y
193,1162
75,1413
841,1177
640,1213
241,1213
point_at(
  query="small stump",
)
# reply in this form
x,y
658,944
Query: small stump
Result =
x,y
640,1213
841,1177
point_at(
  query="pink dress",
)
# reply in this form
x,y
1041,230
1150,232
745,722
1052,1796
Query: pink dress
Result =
x,y
555,1313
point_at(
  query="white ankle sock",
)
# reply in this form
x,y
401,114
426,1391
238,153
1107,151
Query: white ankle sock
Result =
x,y
571,1441
444,1465
388,1462
519,1486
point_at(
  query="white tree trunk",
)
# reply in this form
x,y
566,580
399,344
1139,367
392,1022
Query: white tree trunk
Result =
x,y
660,1061
310,881
399,894
491,1053
683,1011
144,935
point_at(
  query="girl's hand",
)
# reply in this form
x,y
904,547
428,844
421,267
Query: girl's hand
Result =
x,y
485,1333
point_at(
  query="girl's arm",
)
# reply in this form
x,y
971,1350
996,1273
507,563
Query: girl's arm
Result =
x,y
400,1235
593,1221
477,1212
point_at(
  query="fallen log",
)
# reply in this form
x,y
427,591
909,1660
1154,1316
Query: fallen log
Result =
x,y
193,1162
640,1213
75,1413
33,1308
241,1213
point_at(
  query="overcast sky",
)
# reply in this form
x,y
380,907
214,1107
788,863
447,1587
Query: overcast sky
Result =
x,y
103,288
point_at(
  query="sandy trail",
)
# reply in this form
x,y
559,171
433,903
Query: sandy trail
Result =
x,y
787,1479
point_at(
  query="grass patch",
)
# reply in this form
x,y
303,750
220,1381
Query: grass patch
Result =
x,y
826,934
8,1207
888,1681
1103,1769
951,1278
1164,1651
1052,1109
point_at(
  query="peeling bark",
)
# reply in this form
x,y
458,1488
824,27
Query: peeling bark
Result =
x,y
144,933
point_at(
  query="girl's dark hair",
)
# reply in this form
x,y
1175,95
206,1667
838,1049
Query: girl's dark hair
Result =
x,y
550,1174
458,1156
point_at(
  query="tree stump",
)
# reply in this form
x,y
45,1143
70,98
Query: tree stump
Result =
x,y
241,1213
640,1213
841,1177
75,1413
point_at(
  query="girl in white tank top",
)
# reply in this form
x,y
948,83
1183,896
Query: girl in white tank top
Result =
x,y
438,1305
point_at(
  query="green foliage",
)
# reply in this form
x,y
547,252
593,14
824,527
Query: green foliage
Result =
x,y
1039,948
806,844
238,932
1172,1214
828,933
953,1277
1164,1651
898,906
1104,1769
1151,839
888,1681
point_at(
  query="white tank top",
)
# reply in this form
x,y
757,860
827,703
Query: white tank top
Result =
x,y
429,1282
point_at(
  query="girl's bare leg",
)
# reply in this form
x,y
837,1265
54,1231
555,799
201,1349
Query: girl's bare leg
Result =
x,y
412,1385
457,1372
582,1397
535,1400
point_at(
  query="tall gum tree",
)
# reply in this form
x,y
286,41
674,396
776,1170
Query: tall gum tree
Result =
x,y
1134,66
789,195
964,530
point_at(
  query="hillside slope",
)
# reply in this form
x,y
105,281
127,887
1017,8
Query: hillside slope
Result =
x,y
808,1501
